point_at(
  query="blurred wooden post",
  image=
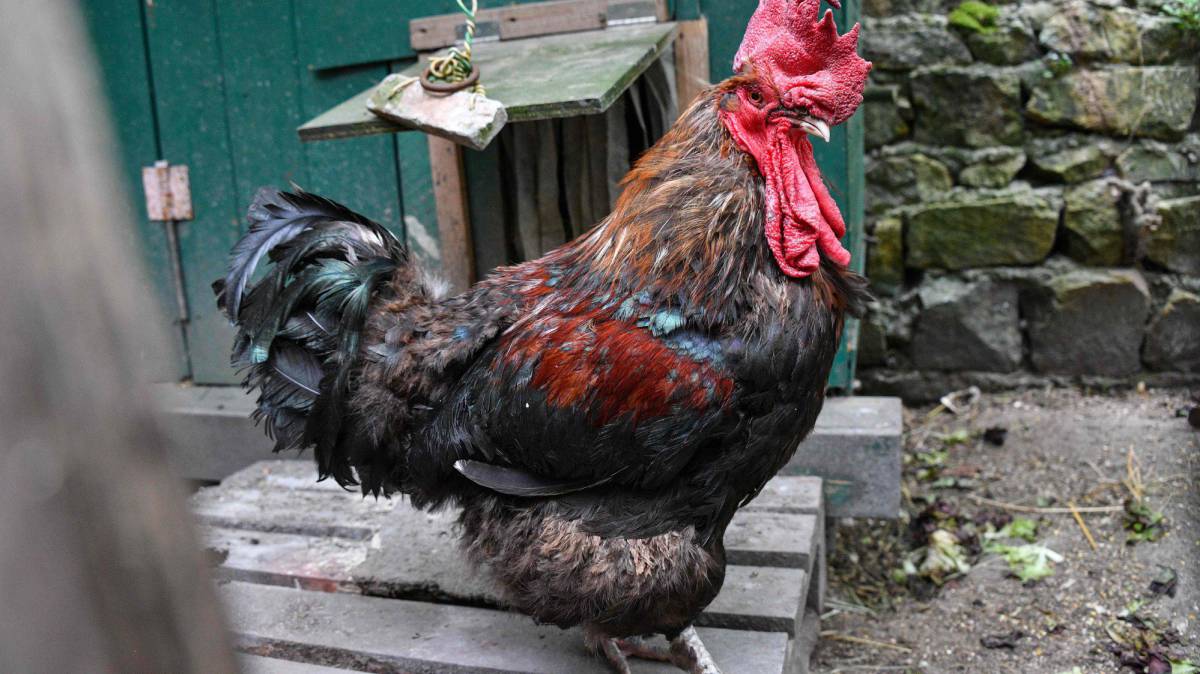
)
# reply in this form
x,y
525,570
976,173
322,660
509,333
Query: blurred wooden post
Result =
x,y
454,224
691,60
99,568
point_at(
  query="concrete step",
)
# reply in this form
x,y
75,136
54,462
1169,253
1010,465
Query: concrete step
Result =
x,y
855,446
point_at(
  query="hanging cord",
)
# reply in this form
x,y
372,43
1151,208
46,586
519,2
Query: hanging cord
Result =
x,y
454,71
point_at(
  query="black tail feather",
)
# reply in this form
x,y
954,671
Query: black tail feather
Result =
x,y
300,326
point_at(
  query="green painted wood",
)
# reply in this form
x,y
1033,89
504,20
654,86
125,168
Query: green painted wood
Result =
x,y
116,31
361,173
353,32
187,55
261,92
539,78
230,93
420,208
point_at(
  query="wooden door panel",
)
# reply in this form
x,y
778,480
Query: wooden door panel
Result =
x,y
116,30
361,172
186,56
230,91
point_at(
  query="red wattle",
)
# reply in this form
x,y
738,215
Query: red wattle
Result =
x,y
802,220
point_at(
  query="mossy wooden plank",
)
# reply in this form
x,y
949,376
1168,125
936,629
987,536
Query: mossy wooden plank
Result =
x,y
539,78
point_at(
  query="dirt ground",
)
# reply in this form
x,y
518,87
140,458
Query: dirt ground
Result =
x,y
1062,447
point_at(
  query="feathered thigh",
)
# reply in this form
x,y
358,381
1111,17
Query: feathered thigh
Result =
x,y
551,569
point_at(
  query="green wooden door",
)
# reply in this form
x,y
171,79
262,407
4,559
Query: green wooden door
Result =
x,y
221,85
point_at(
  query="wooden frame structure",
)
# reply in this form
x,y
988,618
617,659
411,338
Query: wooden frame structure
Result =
x,y
526,76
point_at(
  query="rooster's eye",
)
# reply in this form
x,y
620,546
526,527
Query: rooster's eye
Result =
x,y
756,97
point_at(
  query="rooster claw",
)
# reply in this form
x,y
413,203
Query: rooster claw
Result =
x,y
689,654
686,652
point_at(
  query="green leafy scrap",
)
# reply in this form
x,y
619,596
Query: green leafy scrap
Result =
x,y
1143,523
1030,562
1021,528
974,16
1184,667
958,437
942,558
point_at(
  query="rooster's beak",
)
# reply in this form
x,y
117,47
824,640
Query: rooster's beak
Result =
x,y
815,127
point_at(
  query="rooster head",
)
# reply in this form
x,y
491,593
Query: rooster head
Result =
x,y
797,77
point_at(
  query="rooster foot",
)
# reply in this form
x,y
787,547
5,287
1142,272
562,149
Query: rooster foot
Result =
x,y
618,652
689,654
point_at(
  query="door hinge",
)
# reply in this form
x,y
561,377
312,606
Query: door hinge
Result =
x,y
169,200
168,192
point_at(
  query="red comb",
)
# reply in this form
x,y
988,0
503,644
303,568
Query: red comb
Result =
x,y
804,56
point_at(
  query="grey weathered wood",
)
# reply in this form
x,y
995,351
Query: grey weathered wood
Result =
x,y
256,664
534,19
350,631
691,60
512,22
754,598
453,215
531,78
272,523
755,538
797,495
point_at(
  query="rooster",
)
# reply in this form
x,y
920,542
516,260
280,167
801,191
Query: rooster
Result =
x,y
599,414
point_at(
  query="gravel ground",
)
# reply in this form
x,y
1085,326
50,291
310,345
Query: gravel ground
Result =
x,y
1062,446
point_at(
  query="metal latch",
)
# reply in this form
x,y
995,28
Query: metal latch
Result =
x,y
168,192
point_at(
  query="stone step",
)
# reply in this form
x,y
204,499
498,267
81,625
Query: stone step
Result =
x,y
375,634
855,446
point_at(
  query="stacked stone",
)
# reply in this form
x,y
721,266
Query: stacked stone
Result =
x,y
1033,195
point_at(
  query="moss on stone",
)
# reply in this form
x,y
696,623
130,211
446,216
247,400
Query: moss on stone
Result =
x,y
982,230
974,16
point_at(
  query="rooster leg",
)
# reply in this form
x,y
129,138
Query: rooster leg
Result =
x,y
689,654
617,652
612,653
636,647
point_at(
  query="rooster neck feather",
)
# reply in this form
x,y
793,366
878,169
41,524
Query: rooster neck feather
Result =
x,y
688,229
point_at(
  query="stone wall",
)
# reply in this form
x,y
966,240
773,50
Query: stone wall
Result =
x,y
1033,195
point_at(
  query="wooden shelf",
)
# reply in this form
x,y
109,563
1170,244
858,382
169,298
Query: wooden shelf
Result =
x,y
537,78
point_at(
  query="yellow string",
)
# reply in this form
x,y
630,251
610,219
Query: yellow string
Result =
x,y
455,65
